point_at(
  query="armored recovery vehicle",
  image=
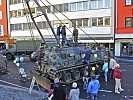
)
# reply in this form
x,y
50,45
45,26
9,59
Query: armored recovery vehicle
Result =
x,y
64,62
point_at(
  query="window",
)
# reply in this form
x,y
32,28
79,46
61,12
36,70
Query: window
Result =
x,y
25,26
73,22
85,5
107,3
100,3
0,2
19,13
14,13
26,11
18,27
100,21
107,21
93,4
0,14
12,27
56,9
85,22
61,8
40,25
65,7
15,1
48,9
1,30
129,22
79,5
94,21
80,22
129,2
73,6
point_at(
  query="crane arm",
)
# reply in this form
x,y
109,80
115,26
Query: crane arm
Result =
x,y
45,15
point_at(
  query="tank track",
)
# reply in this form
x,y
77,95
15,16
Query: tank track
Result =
x,y
53,73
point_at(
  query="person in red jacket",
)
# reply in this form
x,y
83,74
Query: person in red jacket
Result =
x,y
118,77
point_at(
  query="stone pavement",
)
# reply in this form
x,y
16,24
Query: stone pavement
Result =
x,y
15,93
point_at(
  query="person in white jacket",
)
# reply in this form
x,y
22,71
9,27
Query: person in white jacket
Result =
x,y
74,92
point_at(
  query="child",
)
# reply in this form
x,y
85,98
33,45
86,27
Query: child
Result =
x,y
105,70
118,77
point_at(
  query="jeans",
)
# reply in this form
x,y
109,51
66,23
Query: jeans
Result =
x,y
85,80
111,73
105,76
63,40
58,37
93,96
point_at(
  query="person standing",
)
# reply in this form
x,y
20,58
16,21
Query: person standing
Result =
x,y
93,88
97,72
85,78
105,70
58,32
74,92
63,32
112,65
75,35
85,55
59,92
118,77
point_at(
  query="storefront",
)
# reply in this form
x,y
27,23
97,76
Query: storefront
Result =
x,y
124,47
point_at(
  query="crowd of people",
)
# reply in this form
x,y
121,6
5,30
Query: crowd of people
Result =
x,y
91,84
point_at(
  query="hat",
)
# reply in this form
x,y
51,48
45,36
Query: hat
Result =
x,y
56,80
93,68
74,85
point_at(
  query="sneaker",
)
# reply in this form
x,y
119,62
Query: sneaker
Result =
x,y
117,92
121,90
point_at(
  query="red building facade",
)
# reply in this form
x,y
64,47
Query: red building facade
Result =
x,y
124,27
4,17
3,22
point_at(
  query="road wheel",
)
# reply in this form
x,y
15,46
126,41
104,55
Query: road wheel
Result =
x,y
76,74
67,77
9,56
59,75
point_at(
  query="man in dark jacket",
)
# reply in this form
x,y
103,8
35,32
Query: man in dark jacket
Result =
x,y
59,93
75,35
63,32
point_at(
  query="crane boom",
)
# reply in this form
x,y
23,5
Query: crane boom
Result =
x,y
45,15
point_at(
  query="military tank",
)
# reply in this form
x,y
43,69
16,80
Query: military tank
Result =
x,y
65,62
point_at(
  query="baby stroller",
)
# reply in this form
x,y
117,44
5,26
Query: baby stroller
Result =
x,y
23,75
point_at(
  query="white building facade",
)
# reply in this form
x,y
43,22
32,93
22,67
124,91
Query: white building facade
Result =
x,y
94,18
